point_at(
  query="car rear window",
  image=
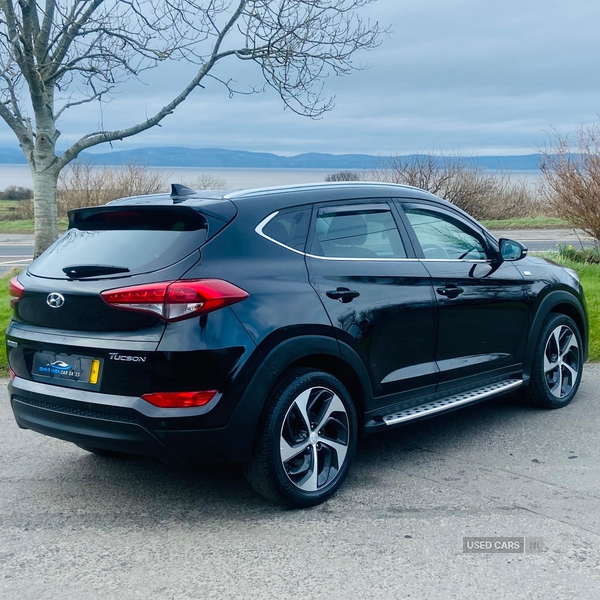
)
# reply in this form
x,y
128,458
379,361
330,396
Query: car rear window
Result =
x,y
140,239
290,228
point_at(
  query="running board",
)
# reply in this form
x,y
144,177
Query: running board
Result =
x,y
444,404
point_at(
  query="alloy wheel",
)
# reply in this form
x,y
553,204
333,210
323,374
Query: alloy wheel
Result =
x,y
562,361
314,439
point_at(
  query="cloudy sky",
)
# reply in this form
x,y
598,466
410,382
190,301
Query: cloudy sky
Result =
x,y
471,75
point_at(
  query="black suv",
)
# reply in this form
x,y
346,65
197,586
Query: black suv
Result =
x,y
275,326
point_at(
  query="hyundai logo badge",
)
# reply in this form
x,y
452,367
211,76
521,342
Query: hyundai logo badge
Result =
x,y
55,300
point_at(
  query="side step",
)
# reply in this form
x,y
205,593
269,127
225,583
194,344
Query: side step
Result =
x,y
444,404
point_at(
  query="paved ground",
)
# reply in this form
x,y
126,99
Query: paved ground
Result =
x,y
540,240
16,250
73,526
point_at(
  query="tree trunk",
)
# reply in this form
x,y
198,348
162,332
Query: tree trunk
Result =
x,y
45,183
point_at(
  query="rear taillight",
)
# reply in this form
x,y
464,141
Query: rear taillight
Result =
x,y
180,399
15,290
178,299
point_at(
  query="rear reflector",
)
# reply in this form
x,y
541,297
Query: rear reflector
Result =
x,y
174,300
180,399
15,289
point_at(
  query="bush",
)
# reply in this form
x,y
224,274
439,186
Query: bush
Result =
x,y
482,194
207,182
587,256
16,192
84,185
572,175
343,176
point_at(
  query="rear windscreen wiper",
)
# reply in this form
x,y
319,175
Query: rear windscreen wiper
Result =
x,y
80,271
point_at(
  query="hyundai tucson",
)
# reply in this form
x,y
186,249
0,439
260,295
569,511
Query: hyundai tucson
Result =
x,y
274,327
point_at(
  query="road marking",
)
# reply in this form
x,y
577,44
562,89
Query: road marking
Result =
x,y
15,262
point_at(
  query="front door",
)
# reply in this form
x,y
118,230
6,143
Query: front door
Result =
x,y
483,313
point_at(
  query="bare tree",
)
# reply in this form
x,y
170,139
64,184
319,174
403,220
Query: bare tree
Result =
x,y
343,176
483,194
81,184
58,54
207,182
571,169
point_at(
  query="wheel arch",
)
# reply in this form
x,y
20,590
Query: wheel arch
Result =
x,y
337,367
323,354
304,351
557,302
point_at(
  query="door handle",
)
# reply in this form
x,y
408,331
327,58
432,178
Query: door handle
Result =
x,y
450,291
342,294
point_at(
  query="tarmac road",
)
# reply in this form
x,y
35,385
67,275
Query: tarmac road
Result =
x,y
74,526
16,251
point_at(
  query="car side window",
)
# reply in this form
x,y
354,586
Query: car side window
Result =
x,y
290,228
444,238
360,231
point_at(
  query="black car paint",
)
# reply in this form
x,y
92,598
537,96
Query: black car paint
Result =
x,y
386,345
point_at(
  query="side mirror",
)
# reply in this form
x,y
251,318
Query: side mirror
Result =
x,y
512,250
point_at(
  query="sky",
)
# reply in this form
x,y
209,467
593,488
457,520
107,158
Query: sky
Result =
x,y
472,76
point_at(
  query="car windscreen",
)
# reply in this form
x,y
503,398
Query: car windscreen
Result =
x,y
122,241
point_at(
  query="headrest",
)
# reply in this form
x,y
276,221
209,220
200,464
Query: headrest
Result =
x,y
347,230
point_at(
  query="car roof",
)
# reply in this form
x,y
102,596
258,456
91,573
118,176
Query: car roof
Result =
x,y
288,195
330,191
221,203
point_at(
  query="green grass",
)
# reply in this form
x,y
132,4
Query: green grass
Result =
x,y
17,226
589,275
26,226
527,223
5,314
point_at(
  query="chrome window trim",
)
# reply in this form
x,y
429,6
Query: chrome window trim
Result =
x,y
259,229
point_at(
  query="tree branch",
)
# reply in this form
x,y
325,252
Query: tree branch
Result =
x,y
43,37
100,137
69,34
68,105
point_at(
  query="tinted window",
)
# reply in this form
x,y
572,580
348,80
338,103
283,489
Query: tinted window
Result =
x,y
442,237
361,232
141,240
290,228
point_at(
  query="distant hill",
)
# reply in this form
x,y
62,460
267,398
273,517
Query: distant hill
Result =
x,y
12,156
218,157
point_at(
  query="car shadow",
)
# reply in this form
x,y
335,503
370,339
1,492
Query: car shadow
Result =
x,y
145,489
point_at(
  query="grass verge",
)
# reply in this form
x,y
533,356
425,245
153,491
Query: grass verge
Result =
x,y
26,226
589,275
528,223
5,314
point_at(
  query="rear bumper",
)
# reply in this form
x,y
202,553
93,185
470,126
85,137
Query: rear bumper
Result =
x,y
110,423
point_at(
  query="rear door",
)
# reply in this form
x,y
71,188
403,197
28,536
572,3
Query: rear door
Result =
x,y
483,311
378,296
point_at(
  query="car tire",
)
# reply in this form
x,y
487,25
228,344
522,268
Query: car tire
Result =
x,y
557,364
305,442
102,452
